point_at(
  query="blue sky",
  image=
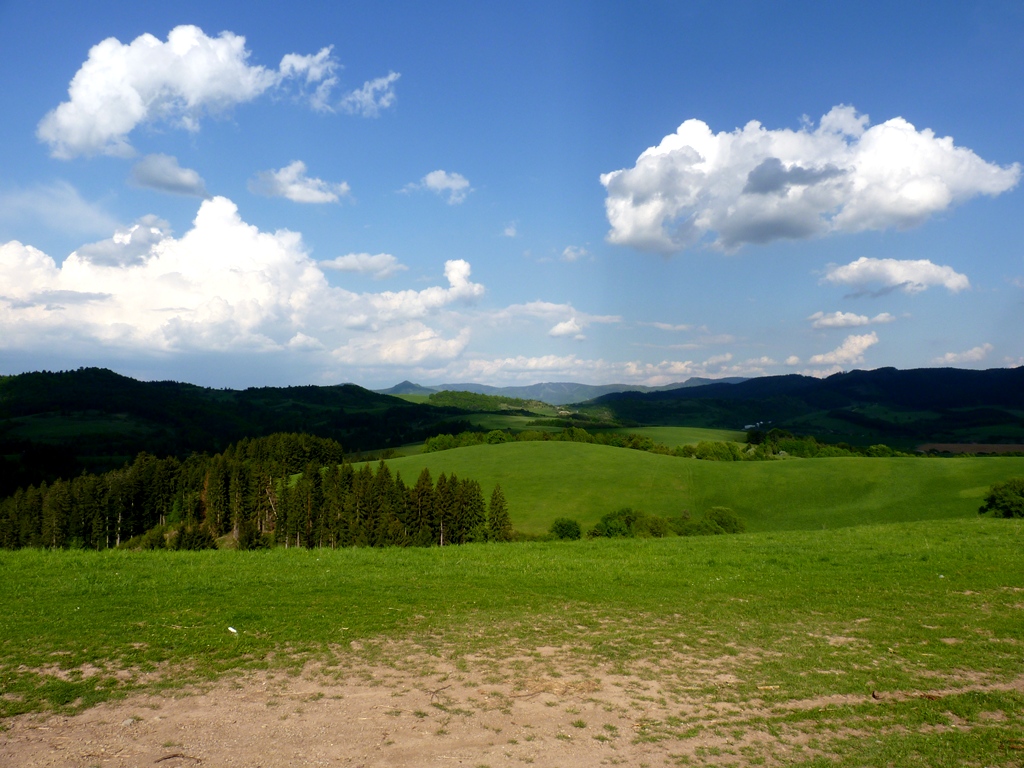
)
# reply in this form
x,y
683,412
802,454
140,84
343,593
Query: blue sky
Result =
x,y
248,194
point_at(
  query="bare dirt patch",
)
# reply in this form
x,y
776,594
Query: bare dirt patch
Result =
x,y
545,706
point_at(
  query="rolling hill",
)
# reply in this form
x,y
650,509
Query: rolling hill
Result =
x,y
543,481
901,408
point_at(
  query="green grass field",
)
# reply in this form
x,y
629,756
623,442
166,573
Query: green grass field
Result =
x,y
929,614
543,481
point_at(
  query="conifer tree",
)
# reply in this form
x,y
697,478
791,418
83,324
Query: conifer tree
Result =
x,y
499,523
422,503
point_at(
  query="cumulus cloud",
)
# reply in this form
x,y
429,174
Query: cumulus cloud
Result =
x,y
58,206
376,265
121,86
908,275
574,253
374,96
162,173
510,230
974,355
756,185
291,182
453,186
223,286
850,351
846,319
570,327
412,343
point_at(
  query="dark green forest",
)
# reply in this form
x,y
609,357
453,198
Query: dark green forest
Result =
x,y
58,424
284,489
901,408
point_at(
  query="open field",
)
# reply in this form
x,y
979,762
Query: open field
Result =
x,y
546,480
878,645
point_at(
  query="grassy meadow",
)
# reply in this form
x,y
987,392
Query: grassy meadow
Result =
x,y
869,616
543,481
803,624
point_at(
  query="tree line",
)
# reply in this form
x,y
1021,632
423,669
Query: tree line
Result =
x,y
292,490
760,446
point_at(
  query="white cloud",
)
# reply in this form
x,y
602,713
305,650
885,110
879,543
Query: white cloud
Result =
x,y
396,305
568,327
568,321
454,186
574,253
974,355
671,327
411,343
850,351
847,319
837,320
524,370
291,182
162,173
121,86
510,230
376,265
755,185
374,96
318,70
909,276
223,286
792,360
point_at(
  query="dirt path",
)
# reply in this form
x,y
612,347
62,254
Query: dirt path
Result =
x,y
545,709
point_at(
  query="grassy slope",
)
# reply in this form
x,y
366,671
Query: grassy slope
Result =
x,y
543,481
768,605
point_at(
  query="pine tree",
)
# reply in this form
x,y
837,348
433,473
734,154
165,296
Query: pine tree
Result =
x,y
499,523
422,502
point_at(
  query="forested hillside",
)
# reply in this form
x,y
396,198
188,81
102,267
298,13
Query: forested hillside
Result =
x,y
862,407
288,489
59,424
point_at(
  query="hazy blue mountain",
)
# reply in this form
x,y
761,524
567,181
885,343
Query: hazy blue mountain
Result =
x,y
555,393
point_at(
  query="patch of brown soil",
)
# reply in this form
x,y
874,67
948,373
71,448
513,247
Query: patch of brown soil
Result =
x,y
543,707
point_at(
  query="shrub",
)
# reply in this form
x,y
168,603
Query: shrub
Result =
x,y
1005,499
714,522
154,538
195,537
726,519
565,528
630,523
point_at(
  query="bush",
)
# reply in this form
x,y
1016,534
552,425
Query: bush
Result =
x,y
726,519
154,538
1005,499
715,522
565,528
195,537
630,523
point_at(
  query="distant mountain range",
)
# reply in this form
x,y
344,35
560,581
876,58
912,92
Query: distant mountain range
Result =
x,y
883,405
555,393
